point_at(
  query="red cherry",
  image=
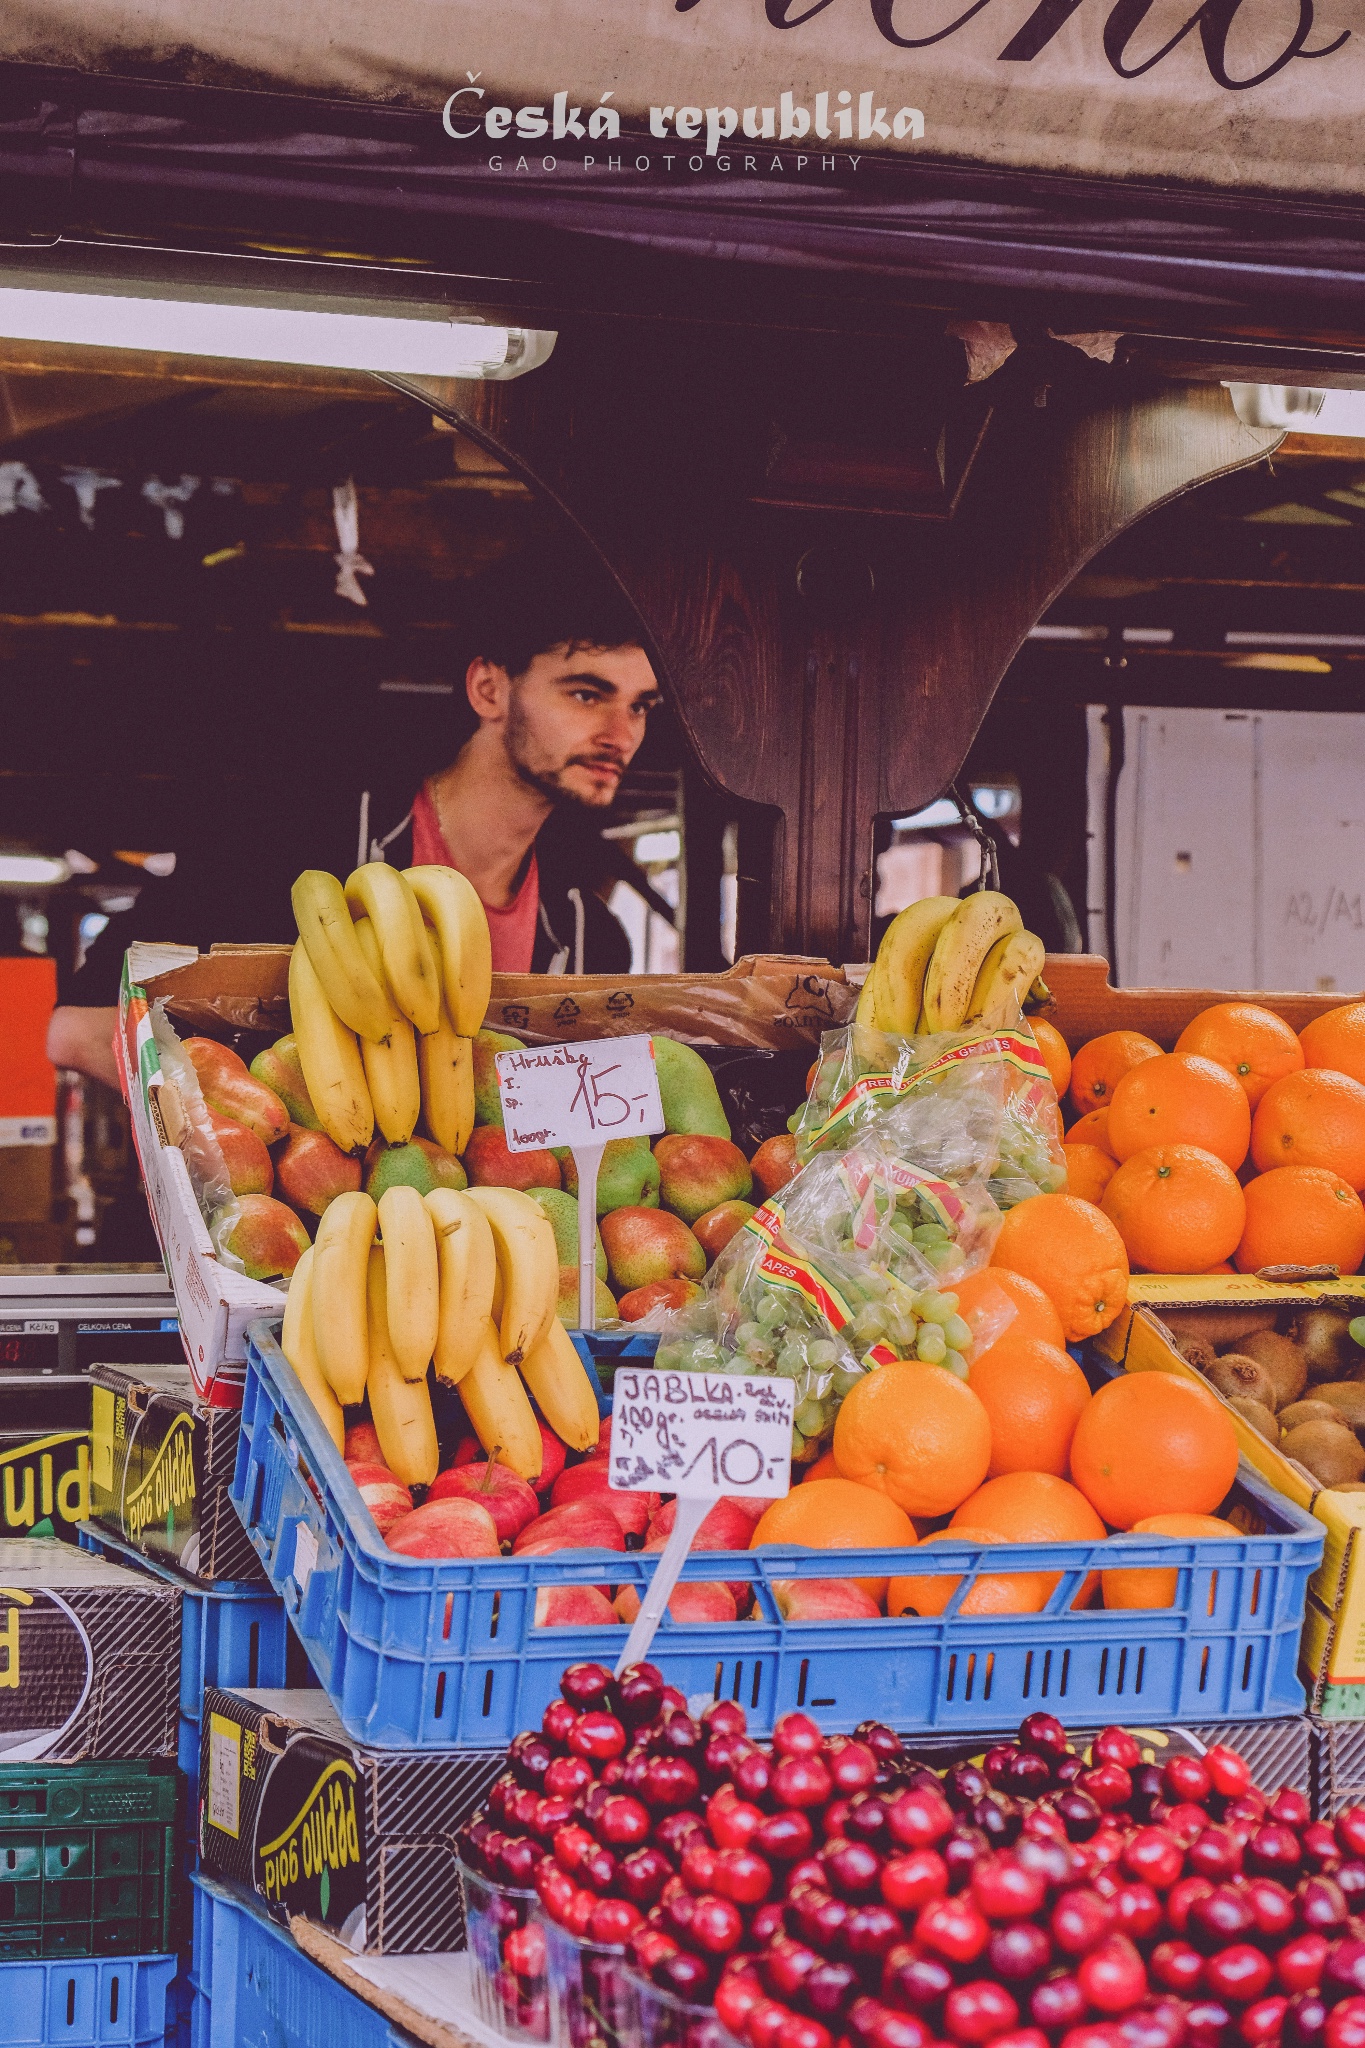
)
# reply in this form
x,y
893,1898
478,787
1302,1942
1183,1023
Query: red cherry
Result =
x,y
886,2028
786,1966
557,1721
852,1868
675,1832
1272,1908
1351,1877
567,1776
797,1735
1207,2023
1345,2026
1018,1951
637,1694
1113,1975
671,1782
1320,1851
598,1871
799,2030
587,1685
572,1844
1137,1911
765,2023
1116,1746
753,1775
976,2013
1094,2034
1022,2037
920,1818
643,1875
1299,1964
554,1887
953,1928
1239,1975
851,1765
801,1780
1343,1973
1273,1851
1289,1809
1182,1897
1006,1889
1261,2023
1304,2021
1186,1822
1223,1917
742,1876
962,1850
737,1993
1186,1778
699,1866
1177,1966
732,1821
1057,2002
1214,1853
717,1926
1229,1772
524,1950
1043,1734
766,1922
1079,1812
1322,1906
870,1930
612,1920
829,1987
1159,2024
1108,1784
865,1820
783,1837
582,1906
1349,1829
884,1742
622,1822
1080,1918
910,1881
810,1870
671,1697
1028,1778
597,1735
920,1980
1049,1856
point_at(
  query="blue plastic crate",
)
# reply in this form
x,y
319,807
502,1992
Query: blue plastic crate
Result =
x,y
87,2004
251,1984
444,1651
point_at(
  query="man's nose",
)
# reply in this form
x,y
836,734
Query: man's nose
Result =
x,y
618,728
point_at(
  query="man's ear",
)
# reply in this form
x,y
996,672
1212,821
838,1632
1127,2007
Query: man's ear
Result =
x,y
487,687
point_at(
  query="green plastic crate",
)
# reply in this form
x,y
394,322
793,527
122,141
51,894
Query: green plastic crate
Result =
x,y
87,1859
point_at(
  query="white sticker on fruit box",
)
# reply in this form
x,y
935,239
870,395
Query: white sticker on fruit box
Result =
x,y
225,1775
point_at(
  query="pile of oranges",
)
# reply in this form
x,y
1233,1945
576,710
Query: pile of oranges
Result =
x,y
1242,1148
1019,1452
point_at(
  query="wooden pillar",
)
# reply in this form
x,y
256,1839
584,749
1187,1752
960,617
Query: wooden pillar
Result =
x,y
835,664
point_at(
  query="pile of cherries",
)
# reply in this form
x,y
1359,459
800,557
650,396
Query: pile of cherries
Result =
x,y
830,1892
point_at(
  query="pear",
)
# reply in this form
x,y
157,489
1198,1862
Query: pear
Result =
x,y
687,1089
628,1177
487,1098
562,1211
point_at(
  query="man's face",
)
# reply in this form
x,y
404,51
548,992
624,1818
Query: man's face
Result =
x,y
575,719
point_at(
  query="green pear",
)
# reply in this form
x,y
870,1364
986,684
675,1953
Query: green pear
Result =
x,y
562,1211
687,1089
279,1068
628,1177
487,1099
566,1306
419,1164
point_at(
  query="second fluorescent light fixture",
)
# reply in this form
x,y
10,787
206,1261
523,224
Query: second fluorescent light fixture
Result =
x,y
1302,408
401,345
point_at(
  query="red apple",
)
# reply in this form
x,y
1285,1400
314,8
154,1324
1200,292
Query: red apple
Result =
x,y
824,1600
446,1528
690,1600
574,1607
385,1496
727,1527
578,1525
638,1302
508,1499
362,1445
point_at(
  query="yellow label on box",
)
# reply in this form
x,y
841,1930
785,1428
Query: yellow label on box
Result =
x,y
102,1439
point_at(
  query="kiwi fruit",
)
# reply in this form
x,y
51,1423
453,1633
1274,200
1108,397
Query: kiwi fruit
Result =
x,y
1332,1454
1282,1359
1196,1352
1260,1417
1222,1328
1324,1337
1347,1397
1307,1411
1240,1378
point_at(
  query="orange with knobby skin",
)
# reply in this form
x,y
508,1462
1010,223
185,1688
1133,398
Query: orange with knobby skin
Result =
x,y
1055,1050
1093,1129
1101,1064
1180,1099
993,1592
1072,1251
1177,1208
916,1433
1255,1045
836,1514
1155,1585
1316,1118
1033,1394
996,1303
1150,1444
1336,1039
1301,1216
1035,1507
1088,1171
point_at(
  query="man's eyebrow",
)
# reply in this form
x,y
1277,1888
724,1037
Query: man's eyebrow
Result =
x,y
576,678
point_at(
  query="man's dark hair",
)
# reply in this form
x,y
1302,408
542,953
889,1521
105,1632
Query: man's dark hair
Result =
x,y
527,606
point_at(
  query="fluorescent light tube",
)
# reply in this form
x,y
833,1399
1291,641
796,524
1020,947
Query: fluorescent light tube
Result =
x,y
32,870
1301,408
377,341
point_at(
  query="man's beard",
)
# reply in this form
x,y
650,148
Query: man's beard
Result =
x,y
550,782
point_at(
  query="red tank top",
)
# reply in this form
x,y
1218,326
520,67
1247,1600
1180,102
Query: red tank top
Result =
x,y
513,930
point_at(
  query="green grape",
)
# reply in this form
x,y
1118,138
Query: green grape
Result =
x,y
868,1326
958,1332
810,1418
931,1233
748,1334
760,1357
771,1309
932,1347
845,1379
823,1351
955,1363
942,1257
791,1360
1356,1329
934,1308
903,1332
799,1450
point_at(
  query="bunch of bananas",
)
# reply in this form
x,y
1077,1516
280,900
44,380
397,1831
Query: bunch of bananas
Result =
x,y
947,963
466,1282
387,986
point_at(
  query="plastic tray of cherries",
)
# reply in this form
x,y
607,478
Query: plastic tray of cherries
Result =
x,y
832,1892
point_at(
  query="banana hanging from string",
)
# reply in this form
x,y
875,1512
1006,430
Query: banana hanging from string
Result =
x,y
1006,975
965,940
903,962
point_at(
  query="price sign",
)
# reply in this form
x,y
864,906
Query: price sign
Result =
x,y
579,1094
700,1434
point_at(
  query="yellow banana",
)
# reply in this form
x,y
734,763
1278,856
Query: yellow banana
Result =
x,y
296,1342
409,1236
469,1270
390,1062
963,944
379,892
1007,973
445,1062
452,904
495,1402
328,936
903,961
560,1387
330,1057
866,1012
400,1408
341,1252
528,1260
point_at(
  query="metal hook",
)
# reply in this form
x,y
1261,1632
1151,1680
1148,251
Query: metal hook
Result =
x,y
989,877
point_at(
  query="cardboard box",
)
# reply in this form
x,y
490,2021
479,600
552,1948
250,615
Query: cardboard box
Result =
x,y
89,1657
44,1454
161,1461
360,1840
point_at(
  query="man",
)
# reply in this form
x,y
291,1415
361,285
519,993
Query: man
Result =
x,y
561,690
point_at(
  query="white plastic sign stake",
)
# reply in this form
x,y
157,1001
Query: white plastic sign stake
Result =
x,y
697,1435
580,1096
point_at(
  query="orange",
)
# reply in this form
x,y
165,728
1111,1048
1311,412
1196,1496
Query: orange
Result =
x,y
1316,1118
1055,1050
1180,1099
1102,1062
1251,1042
1092,1129
836,1514
1177,1208
1302,1216
1033,1394
1149,1444
1035,1507
1336,1039
915,1433
1151,1586
1072,1251
823,1468
997,1303
1223,1266
993,1592
1089,1171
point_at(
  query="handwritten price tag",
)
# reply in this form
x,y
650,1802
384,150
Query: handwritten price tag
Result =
x,y
700,1434
579,1094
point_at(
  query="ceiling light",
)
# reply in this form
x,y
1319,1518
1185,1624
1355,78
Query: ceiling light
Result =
x,y
32,870
1299,407
416,344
